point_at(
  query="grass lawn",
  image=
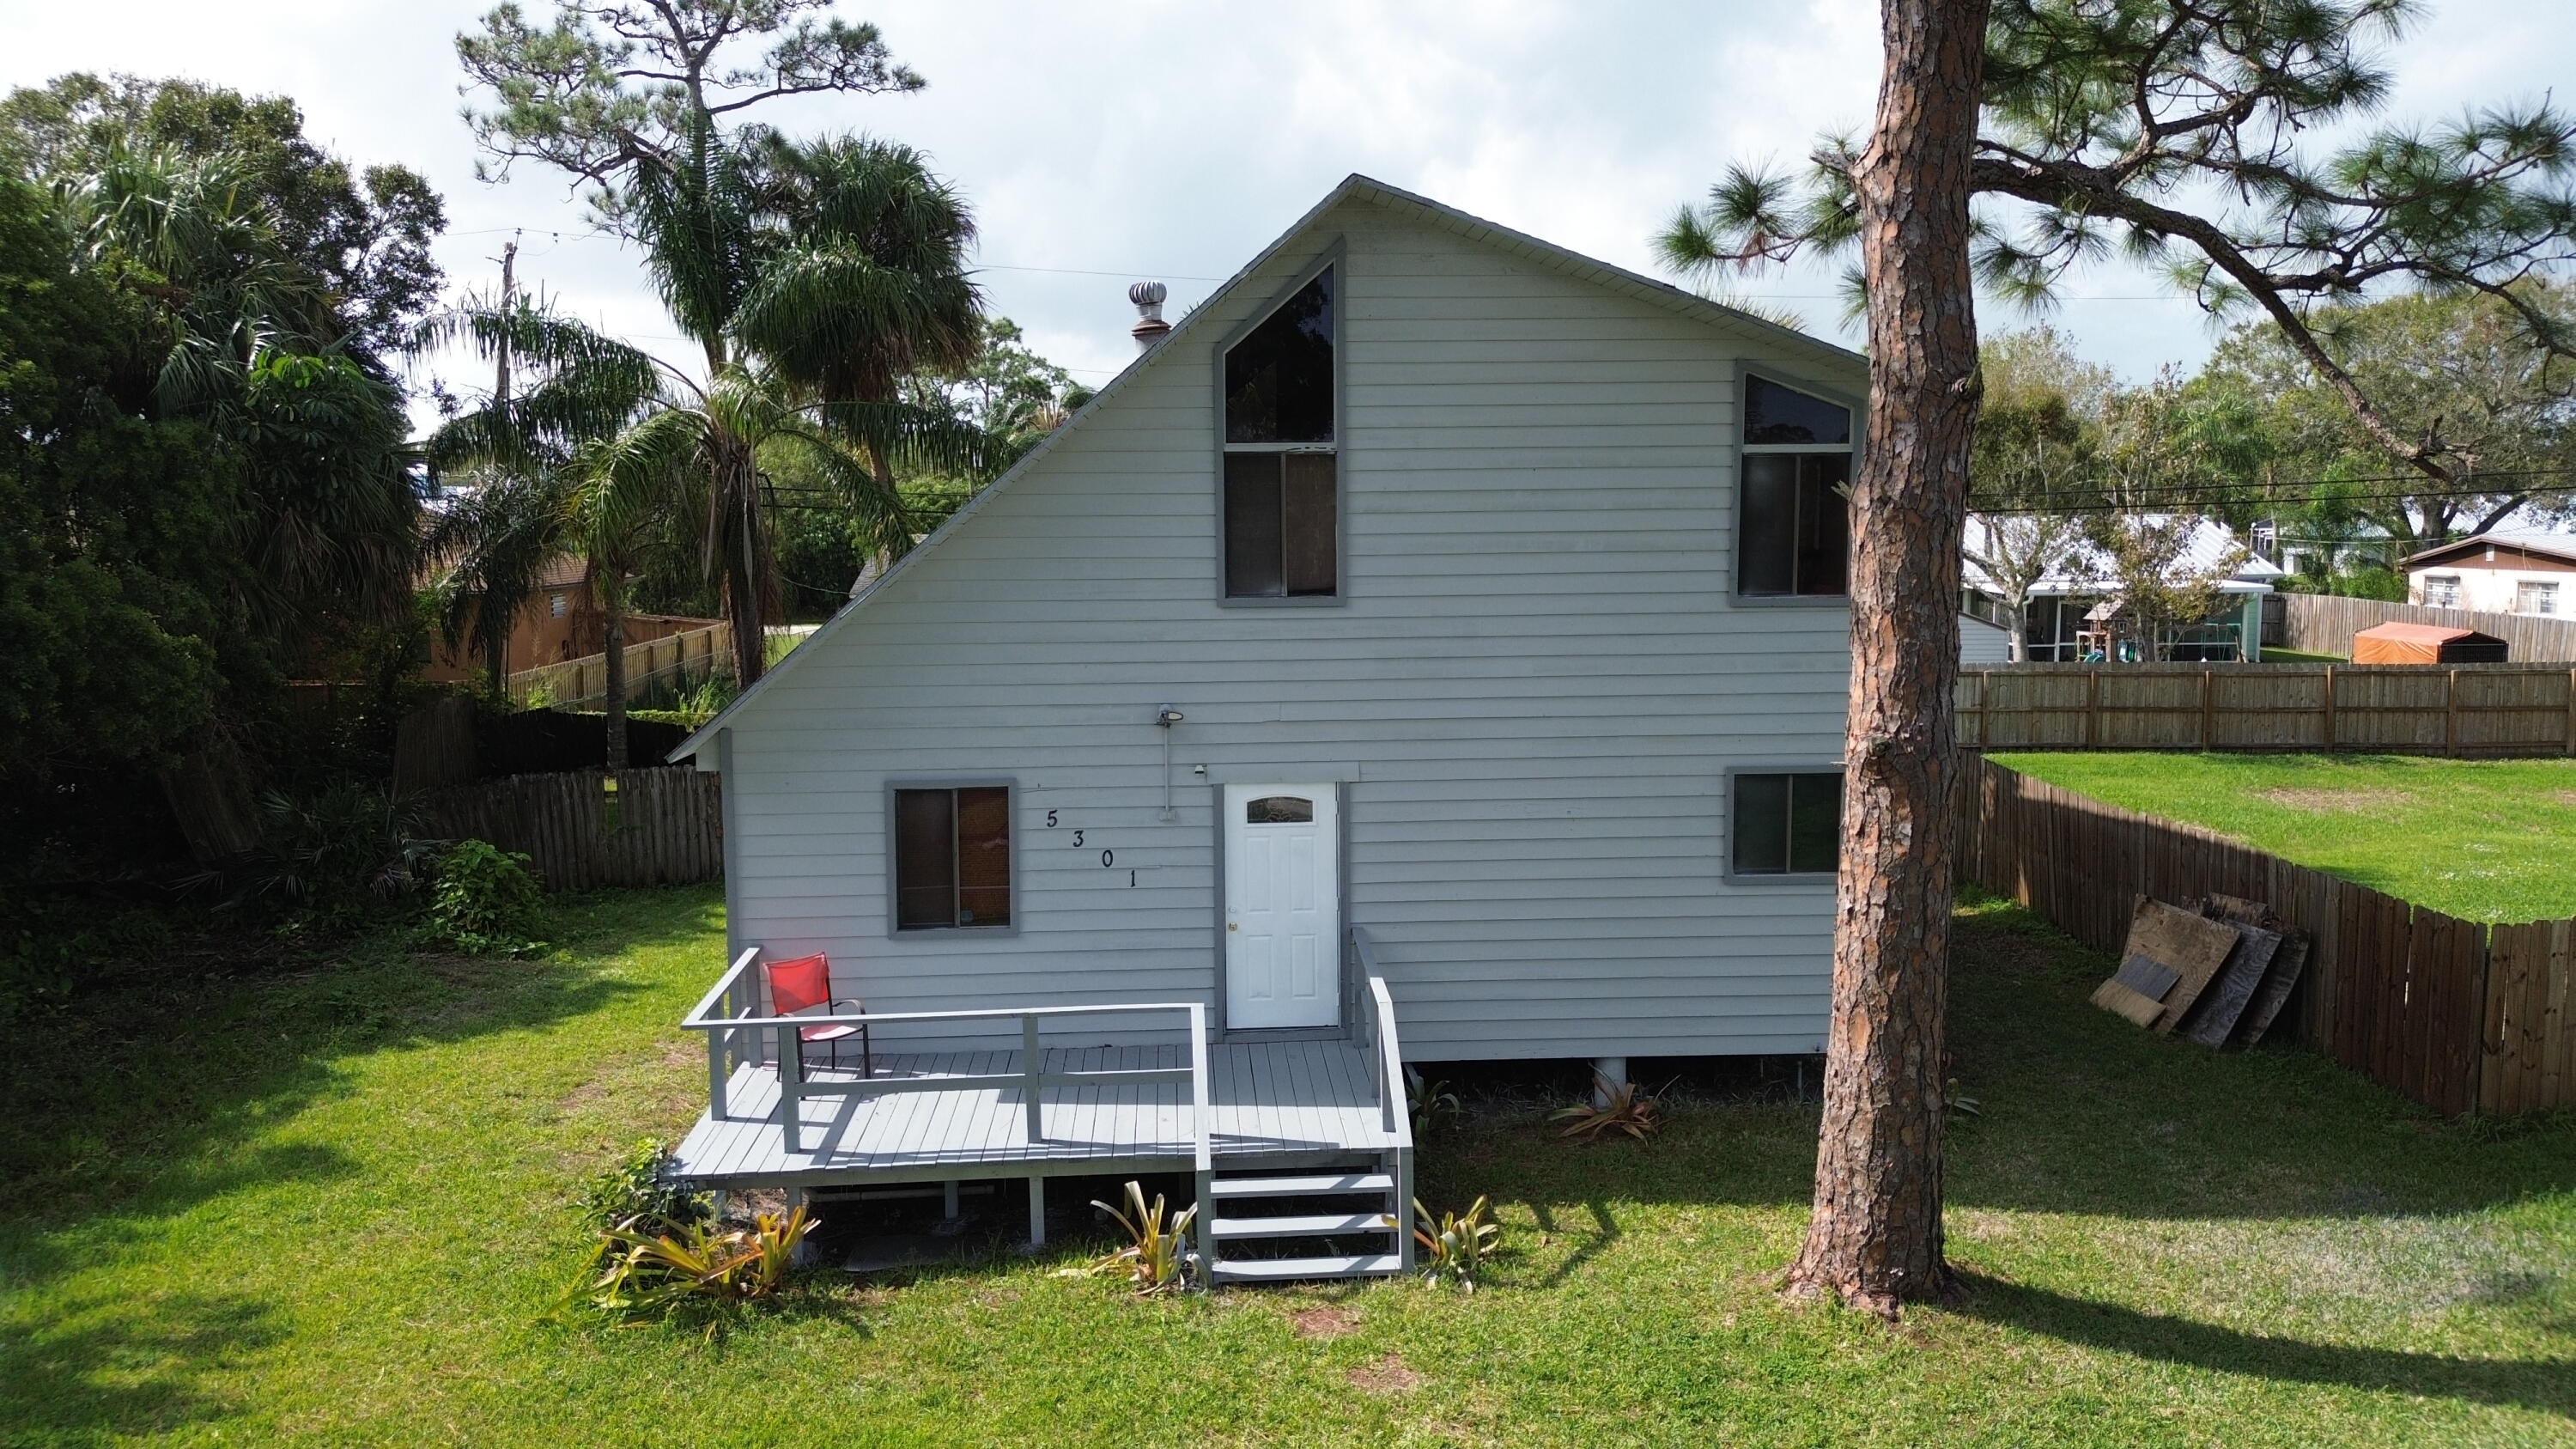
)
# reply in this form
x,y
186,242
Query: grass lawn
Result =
x,y
2488,840
332,1208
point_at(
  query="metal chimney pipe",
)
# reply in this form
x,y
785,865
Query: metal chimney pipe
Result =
x,y
1150,327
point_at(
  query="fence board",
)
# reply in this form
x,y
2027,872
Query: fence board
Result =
x,y
2469,709
2455,1014
666,828
2317,624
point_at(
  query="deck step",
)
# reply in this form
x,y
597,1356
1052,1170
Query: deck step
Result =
x,y
1303,1186
1286,1270
1323,1225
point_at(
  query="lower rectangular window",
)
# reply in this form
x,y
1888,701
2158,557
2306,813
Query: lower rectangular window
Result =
x,y
1282,531
1787,824
952,857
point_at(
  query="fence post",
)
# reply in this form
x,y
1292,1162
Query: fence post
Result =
x,y
2208,710
2451,714
2092,706
2570,741
2330,707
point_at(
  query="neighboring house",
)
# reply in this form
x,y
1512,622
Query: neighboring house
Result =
x,y
2072,615
1434,647
560,621
2499,573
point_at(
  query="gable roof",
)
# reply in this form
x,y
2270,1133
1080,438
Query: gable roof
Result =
x,y
2208,546
1353,187
2548,545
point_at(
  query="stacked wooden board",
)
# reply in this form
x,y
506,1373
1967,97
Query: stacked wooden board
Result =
x,y
2218,975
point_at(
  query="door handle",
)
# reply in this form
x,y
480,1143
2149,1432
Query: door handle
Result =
x,y
1233,926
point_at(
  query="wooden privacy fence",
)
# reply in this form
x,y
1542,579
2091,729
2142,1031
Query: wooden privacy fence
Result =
x,y
591,828
2318,624
2456,1014
2431,709
679,661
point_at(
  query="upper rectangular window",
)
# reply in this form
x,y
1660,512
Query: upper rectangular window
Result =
x,y
2531,597
1281,501
2442,591
952,857
1793,520
1787,824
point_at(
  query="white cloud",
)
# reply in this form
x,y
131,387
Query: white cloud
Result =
x,y
1170,138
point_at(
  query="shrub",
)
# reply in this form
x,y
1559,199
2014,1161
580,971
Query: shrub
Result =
x,y
635,1192
1157,1244
486,903
646,1274
326,862
1455,1248
1624,1110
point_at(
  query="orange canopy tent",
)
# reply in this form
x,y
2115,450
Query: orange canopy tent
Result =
x,y
2425,644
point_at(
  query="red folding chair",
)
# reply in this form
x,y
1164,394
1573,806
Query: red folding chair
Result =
x,y
804,982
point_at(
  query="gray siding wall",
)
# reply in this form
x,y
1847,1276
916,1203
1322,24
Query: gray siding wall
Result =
x,y
1534,693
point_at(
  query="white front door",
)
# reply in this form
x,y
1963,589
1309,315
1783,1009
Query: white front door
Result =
x,y
1283,907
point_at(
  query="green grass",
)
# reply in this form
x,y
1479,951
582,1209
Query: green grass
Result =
x,y
334,1209
2488,840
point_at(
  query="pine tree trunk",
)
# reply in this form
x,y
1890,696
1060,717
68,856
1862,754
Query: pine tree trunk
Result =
x,y
1874,1239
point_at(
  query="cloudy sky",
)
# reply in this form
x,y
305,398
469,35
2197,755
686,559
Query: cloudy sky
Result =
x,y
1102,143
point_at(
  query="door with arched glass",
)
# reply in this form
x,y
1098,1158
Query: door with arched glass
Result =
x,y
1283,894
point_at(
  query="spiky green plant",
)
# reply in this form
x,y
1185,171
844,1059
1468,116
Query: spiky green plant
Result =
x,y
1624,1109
1428,1104
1454,1247
1157,1248
646,1274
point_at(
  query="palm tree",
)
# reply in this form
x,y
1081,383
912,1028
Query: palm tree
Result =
x,y
813,278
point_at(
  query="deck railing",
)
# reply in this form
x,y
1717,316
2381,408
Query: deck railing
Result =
x,y
1386,1062
730,1016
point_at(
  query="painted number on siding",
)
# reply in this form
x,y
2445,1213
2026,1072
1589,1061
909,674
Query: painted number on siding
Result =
x,y
1108,858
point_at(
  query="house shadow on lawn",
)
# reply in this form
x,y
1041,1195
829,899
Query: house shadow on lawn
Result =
x,y
2549,1387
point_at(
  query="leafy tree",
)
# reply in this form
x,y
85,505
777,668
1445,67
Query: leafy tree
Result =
x,y
2034,466
363,233
2456,366
2178,131
118,593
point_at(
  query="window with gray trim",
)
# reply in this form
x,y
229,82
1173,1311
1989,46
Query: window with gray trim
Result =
x,y
1793,525
952,857
1787,824
1282,499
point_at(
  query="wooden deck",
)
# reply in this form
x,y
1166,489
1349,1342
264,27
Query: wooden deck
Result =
x,y
1272,1102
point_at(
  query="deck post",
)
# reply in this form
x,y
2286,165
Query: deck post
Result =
x,y
948,1199
1404,1209
717,1041
1037,1212
1029,1069
791,1082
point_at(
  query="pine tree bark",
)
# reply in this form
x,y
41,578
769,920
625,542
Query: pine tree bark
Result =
x,y
1874,1239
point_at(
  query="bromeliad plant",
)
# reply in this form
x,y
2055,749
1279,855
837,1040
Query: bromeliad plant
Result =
x,y
1623,1109
1157,1251
1428,1103
1455,1247
648,1275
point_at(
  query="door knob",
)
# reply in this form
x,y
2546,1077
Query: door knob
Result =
x,y
1232,926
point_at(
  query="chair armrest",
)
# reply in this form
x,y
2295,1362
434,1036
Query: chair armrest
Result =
x,y
853,1001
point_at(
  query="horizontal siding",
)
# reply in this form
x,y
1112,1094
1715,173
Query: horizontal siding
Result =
x,y
1538,673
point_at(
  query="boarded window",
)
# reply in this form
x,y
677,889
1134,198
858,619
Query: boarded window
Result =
x,y
1787,824
1282,489
952,857
1793,520
1279,810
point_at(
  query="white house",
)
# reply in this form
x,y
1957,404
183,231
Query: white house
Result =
x,y
2499,573
2068,616
1433,648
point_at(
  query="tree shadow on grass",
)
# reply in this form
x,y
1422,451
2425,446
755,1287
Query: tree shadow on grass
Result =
x,y
103,1369
2546,1386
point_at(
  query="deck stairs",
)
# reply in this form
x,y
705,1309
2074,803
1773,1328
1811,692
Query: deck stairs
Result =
x,y
1292,1227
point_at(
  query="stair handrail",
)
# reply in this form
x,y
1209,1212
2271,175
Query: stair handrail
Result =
x,y
1395,1116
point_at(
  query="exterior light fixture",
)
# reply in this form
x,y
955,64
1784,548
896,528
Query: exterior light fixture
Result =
x,y
1164,718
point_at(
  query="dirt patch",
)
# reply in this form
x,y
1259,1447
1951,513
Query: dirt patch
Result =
x,y
1325,1322
2566,798
2336,802
1386,1376
2003,951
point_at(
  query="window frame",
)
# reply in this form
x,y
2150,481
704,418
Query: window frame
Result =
x,y
1744,379
2543,590
895,930
1726,828
1331,257
2450,584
